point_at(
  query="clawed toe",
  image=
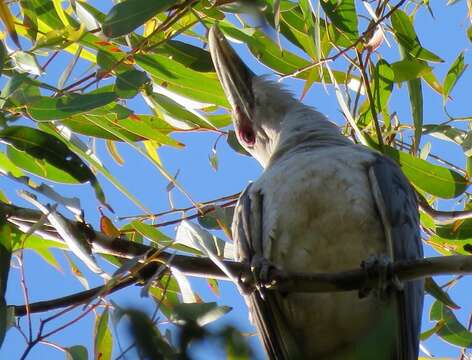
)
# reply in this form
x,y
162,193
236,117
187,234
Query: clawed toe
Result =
x,y
380,277
259,277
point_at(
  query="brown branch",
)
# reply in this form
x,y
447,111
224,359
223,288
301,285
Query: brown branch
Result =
x,y
279,280
228,198
348,280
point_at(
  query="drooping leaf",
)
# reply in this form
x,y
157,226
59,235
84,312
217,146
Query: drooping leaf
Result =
x,y
77,352
46,147
453,74
128,15
409,69
221,216
8,21
129,83
452,331
432,288
5,258
103,344
383,85
445,132
233,142
406,36
26,63
344,17
202,314
149,342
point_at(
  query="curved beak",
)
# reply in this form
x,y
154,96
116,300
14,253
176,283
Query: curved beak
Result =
x,y
235,76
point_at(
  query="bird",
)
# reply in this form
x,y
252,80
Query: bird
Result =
x,y
322,204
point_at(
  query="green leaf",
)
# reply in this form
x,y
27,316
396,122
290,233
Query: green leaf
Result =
x,y
213,219
44,146
39,245
96,165
188,55
294,24
47,147
309,27
213,159
445,132
129,83
103,338
5,258
435,180
148,340
406,36
452,331
146,127
77,352
178,78
49,108
409,69
151,233
127,15
233,142
383,86
201,313
416,100
9,167
433,289
453,74
176,115
469,33
343,15
37,167
25,63
428,333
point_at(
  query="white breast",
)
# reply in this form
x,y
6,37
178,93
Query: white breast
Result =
x,y
320,216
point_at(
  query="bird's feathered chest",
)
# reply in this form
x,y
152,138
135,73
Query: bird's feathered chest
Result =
x,y
318,206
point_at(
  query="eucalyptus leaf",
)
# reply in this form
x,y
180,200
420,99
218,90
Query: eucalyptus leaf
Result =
x,y
452,331
434,179
127,15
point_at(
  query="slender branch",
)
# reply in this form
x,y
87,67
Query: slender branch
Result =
x,y
347,280
279,280
183,209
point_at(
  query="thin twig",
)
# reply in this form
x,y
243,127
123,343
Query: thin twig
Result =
x,y
371,27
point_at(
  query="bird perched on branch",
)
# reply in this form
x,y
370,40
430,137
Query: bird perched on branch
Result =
x,y
322,204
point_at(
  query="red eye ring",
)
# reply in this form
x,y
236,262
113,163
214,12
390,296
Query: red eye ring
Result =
x,y
248,136
245,131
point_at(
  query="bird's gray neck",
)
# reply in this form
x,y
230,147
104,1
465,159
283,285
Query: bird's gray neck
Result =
x,y
305,129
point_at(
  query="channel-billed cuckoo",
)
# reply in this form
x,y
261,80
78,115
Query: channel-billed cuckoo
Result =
x,y
322,204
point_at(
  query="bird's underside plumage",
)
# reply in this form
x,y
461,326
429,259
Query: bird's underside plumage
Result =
x,y
322,204
328,208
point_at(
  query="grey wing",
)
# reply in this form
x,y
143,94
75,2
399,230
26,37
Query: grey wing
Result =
x,y
397,205
263,304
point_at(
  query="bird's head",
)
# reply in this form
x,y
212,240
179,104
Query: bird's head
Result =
x,y
258,105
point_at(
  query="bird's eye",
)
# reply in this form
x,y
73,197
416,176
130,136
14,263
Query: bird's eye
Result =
x,y
248,136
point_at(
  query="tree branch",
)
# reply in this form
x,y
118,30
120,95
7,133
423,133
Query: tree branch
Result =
x,y
347,280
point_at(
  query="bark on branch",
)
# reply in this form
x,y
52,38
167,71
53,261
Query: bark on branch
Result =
x,y
280,280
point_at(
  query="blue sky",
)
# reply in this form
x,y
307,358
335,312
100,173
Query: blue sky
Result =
x,y
445,36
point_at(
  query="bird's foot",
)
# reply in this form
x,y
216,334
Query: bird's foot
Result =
x,y
380,277
259,278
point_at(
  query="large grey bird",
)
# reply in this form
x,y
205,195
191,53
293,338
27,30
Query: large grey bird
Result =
x,y
322,204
